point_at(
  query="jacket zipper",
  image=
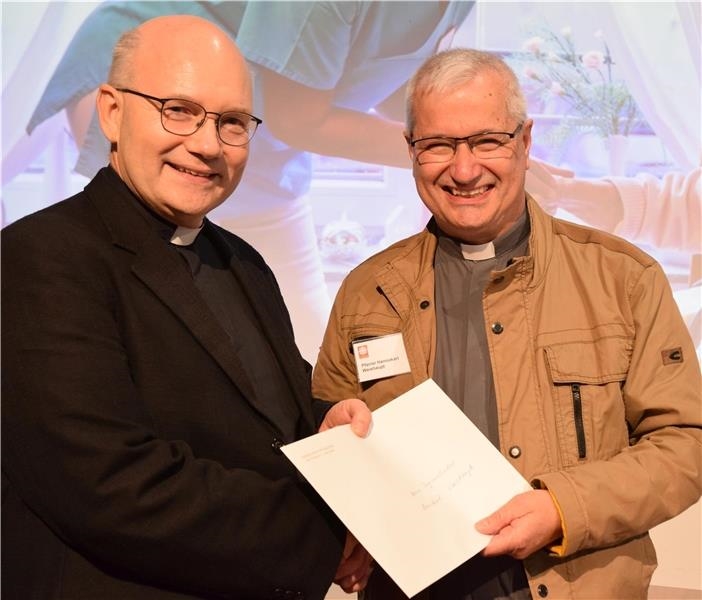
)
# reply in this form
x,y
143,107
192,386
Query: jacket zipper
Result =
x,y
578,417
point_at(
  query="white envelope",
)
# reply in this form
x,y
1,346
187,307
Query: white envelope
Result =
x,y
412,491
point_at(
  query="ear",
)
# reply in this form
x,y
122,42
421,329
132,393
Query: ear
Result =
x,y
109,105
526,138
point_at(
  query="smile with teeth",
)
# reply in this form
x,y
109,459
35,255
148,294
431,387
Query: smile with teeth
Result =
x,y
195,173
469,193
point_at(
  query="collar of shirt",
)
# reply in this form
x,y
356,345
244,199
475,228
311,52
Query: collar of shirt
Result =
x,y
185,236
505,243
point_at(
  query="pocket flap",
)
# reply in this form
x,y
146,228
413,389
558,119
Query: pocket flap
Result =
x,y
590,361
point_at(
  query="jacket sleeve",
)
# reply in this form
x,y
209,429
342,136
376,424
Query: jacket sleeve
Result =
x,y
86,454
659,474
334,376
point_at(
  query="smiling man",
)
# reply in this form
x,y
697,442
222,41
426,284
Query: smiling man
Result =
x,y
150,374
561,343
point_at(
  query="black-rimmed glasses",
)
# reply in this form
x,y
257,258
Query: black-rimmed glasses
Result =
x,y
185,117
491,144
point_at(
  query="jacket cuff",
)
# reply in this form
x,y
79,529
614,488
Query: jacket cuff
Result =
x,y
570,510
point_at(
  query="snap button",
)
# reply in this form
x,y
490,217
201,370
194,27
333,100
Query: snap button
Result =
x,y
424,304
542,590
515,451
497,328
276,444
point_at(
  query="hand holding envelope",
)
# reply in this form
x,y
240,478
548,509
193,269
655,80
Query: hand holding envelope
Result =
x,y
527,523
414,488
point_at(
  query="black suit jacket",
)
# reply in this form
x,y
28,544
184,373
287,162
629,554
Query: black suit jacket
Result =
x,y
138,460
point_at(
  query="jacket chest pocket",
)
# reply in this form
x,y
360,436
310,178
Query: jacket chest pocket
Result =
x,y
586,387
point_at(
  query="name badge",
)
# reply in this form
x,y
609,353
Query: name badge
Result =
x,y
380,357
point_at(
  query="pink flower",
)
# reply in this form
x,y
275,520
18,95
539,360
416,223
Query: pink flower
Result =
x,y
534,44
594,59
557,89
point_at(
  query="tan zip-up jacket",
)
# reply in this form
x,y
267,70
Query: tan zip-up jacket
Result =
x,y
596,379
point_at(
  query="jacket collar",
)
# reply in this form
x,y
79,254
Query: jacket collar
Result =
x,y
536,263
416,255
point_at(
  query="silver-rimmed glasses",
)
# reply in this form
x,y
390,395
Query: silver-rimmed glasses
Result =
x,y
491,144
185,117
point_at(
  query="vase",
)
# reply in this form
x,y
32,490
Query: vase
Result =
x,y
618,147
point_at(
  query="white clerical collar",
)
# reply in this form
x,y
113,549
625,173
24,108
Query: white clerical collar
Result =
x,y
184,236
479,251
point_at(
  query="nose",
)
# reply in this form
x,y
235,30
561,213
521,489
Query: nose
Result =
x,y
464,166
205,141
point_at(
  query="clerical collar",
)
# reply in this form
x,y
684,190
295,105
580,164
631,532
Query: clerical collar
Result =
x,y
185,236
510,240
478,251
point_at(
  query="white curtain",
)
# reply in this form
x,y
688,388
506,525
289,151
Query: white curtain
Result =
x,y
657,46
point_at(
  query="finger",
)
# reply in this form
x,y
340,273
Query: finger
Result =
x,y
357,581
545,167
514,509
349,545
352,558
353,411
497,546
361,419
562,171
493,523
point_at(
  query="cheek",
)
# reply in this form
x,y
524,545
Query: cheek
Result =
x,y
236,160
426,176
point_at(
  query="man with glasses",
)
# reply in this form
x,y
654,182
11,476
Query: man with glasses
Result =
x,y
561,343
150,374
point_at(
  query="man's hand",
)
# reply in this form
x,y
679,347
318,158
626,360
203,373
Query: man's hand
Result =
x,y
527,523
543,182
352,411
595,201
355,567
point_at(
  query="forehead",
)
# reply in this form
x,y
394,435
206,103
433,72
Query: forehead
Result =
x,y
214,76
470,107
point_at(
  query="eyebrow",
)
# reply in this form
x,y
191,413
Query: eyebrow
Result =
x,y
480,132
195,101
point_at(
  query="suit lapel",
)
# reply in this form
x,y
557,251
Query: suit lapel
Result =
x,y
163,272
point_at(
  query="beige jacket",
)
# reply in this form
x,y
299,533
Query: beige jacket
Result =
x,y
596,379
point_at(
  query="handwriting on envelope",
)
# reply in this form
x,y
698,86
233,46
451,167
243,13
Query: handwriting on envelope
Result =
x,y
412,491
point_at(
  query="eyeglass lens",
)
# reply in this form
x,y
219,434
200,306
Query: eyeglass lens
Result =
x,y
488,145
185,118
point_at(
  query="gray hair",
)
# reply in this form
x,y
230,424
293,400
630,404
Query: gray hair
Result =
x,y
121,69
451,68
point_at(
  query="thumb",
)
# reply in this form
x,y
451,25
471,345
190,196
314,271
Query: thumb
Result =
x,y
493,523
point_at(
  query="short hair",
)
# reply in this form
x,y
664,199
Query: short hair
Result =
x,y
449,69
121,69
